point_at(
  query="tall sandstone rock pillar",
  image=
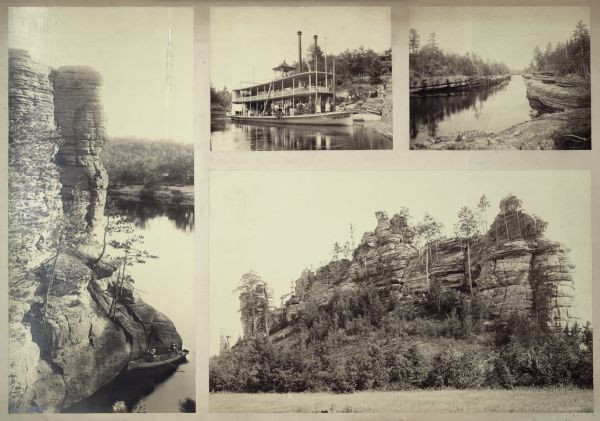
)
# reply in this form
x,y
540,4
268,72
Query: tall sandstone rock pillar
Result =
x,y
33,186
80,117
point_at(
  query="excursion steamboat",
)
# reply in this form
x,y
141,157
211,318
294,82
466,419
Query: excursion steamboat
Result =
x,y
294,96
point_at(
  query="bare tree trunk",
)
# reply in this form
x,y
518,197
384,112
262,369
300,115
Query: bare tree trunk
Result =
x,y
497,245
266,311
469,264
116,293
506,225
123,276
427,266
99,258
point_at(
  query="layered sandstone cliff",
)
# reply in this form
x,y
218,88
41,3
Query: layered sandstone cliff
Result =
x,y
80,117
65,355
550,93
514,268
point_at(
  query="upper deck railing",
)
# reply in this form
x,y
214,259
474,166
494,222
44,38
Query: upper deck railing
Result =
x,y
280,94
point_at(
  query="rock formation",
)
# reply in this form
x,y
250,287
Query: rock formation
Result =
x,y
513,268
554,93
80,117
56,132
34,188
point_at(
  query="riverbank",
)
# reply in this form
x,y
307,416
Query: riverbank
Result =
x,y
413,401
561,130
181,195
384,125
450,83
560,119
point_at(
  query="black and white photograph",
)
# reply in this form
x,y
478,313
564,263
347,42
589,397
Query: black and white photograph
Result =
x,y
100,187
499,78
468,291
300,78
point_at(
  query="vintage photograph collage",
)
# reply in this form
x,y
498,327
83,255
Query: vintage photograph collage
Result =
x,y
273,210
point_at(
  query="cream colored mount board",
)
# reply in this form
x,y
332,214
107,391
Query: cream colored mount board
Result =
x,y
202,220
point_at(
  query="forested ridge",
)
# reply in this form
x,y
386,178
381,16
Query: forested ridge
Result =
x,y
427,59
360,342
354,324
148,162
569,57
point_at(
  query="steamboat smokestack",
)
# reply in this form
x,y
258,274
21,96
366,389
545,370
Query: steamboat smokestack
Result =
x,y
315,37
300,50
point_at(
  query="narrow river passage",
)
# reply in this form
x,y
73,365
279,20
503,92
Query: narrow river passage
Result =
x,y
490,110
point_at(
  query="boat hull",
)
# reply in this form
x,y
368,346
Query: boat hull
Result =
x,y
338,118
143,364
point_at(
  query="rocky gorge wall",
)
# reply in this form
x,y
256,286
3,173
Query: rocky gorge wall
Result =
x,y
552,93
514,268
61,357
80,117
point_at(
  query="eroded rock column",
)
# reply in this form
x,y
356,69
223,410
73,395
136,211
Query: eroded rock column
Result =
x,y
80,117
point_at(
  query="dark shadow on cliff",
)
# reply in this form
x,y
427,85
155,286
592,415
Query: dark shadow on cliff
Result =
x,y
129,387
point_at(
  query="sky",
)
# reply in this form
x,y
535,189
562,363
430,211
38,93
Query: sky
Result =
x,y
507,34
278,223
145,56
247,42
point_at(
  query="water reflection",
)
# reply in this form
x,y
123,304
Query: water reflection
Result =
x,y
227,136
140,385
492,110
167,284
141,212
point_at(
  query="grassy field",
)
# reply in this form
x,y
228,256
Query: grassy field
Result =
x,y
516,400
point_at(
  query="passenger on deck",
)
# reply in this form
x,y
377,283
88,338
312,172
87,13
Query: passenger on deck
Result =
x,y
151,354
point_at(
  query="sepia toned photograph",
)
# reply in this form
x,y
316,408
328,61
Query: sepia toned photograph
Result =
x,y
293,78
469,291
100,186
499,78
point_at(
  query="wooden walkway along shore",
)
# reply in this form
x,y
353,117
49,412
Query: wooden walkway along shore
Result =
x,y
450,84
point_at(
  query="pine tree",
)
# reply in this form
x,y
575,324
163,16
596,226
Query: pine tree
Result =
x,y
414,40
467,227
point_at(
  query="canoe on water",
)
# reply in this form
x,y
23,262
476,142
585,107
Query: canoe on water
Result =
x,y
158,361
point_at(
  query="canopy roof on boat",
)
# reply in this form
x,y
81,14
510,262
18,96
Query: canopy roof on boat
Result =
x,y
298,76
284,67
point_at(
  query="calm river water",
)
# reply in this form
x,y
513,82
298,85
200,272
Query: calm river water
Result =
x,y
166,283
491,110
229,136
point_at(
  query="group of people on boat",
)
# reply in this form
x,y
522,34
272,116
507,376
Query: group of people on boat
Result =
x,y
289,109
151,354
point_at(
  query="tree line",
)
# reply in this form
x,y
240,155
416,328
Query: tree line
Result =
x,y
428,60
359,64
220,99
569,57
362,340
148,162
